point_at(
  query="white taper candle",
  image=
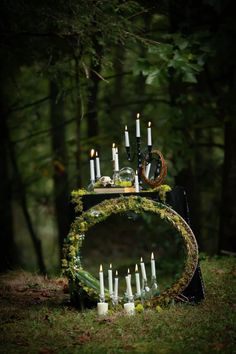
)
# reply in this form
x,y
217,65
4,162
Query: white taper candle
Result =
x,y
143,270
92,167
136,182
153,266
110,280
98,170
126,137
138,126
101,282
149,134
137,279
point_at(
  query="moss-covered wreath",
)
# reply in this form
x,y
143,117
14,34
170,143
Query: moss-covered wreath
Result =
x,y
83,284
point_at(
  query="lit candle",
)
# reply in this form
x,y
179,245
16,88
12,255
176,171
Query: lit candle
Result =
x,y
92,168
129,289
126,137
110,283
136,182
153,267
113,151
116,286
143,270
101,281
137,279
116,160
147,170
149,134
98,171
138,126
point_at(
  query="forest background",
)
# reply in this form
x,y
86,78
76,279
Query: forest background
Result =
x,y
74,73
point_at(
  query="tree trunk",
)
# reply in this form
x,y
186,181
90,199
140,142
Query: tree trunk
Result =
x,y
8,253
60,176
227,238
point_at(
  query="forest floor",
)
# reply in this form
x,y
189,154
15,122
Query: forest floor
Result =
x,y
36,317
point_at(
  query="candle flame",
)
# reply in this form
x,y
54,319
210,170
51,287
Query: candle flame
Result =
x,y
96,154
116,273
136,268
138,115
141,259
100,270
92,153
126,128
149,124
113,145
152,255
136,172
128,271
110,266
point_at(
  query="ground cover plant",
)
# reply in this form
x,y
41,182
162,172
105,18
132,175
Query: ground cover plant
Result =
x,y
36,317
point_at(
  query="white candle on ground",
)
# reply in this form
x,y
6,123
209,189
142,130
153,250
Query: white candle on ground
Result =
x,y
153,267
129,308
113,151
116,160
98,171
101,282
110,283
126,137
136,182
149,134
92,167
147,171
116,286
102,308
137,279
129,289
143,270
138,126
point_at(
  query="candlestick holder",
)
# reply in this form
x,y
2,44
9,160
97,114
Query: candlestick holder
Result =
x,y
116,177
155,291
90,187
146,291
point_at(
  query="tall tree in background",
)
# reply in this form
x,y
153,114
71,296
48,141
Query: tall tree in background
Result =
x,y
60,168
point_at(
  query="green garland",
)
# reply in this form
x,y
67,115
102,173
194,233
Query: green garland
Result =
x,y
82,281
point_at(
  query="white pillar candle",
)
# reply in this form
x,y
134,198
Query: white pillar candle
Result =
x,y
153,267
136,182
101,282
137,279
116,160
126,137
149,134
116,286
129,308
147,170
128,285
113,151
143,270
92,167
138,126
102,308
98,171
110,281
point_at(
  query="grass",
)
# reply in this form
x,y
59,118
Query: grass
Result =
x,y
36,317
